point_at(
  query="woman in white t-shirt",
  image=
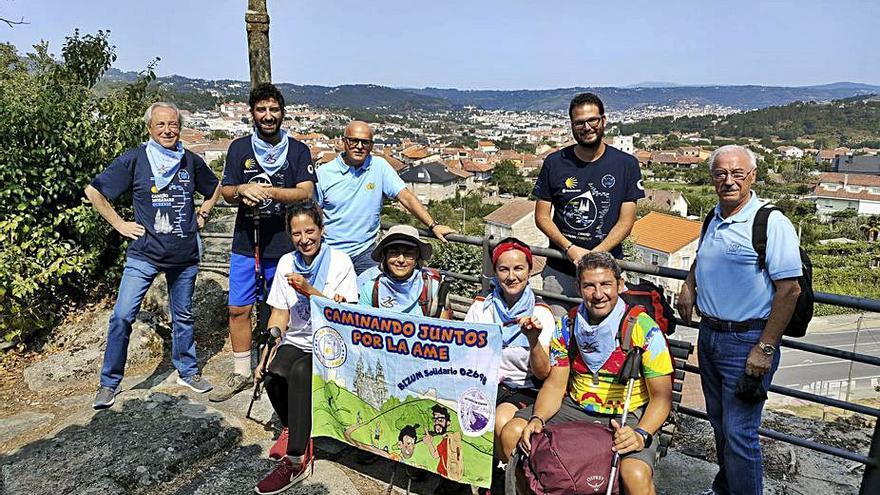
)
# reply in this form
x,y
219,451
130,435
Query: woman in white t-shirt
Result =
x,y
313,269
526,327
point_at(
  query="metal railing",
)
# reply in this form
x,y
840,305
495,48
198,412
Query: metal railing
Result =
x,y
870,480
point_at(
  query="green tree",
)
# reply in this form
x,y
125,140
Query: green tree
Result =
x,y
56,134
507,178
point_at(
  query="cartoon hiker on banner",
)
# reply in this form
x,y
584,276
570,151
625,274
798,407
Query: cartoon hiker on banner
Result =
x,y
448,451
406,442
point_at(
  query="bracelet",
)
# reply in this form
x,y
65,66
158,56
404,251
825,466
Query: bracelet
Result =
x,y
539,418
433,224
235,193
204,214
569,247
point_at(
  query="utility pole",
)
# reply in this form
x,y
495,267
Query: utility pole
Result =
x,y
855,347
256,20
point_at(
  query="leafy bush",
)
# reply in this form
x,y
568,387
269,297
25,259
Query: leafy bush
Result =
x,y
56,134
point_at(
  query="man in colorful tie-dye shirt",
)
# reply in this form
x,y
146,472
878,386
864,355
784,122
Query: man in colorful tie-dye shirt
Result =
x,y
585,388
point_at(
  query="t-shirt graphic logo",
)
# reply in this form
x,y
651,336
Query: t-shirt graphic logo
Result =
x,y
249,163
571,182
371,186
184,175
608,181
581,211
162,225
261,179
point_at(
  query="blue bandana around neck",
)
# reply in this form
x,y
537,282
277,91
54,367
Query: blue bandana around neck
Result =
x,y
511,335
163,162
270,157
315,273
403,293
596,343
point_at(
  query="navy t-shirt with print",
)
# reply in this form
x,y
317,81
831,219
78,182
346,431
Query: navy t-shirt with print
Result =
x,y
586,196
168,216
242,168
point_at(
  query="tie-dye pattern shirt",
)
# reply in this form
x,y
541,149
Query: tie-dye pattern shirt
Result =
x,y
608,396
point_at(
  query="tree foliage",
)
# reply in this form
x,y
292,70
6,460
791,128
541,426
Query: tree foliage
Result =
x,y
56,134
509,181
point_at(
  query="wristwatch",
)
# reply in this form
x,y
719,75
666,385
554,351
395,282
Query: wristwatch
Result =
x,y
204,214
645,435
767,349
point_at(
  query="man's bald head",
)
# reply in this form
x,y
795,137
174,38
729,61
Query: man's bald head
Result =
x,y
358,141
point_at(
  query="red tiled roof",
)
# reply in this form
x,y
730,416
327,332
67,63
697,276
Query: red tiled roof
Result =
x,y
476,167
851,179
665,233
511,212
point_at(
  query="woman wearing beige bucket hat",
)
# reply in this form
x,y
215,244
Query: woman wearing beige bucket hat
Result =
x,y
403,285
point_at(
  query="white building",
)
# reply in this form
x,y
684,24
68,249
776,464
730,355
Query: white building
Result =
x,y
666,240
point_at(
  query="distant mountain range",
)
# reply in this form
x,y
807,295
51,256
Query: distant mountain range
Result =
x,y
379,98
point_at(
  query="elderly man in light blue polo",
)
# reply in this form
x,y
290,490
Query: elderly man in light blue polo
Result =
x,y
744,310
350,191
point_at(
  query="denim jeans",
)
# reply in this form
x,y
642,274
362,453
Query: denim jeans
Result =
x,y
722,358
136,279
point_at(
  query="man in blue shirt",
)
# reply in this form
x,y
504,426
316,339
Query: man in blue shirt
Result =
x,y
264,171
162,178
350,191
744,311
591,189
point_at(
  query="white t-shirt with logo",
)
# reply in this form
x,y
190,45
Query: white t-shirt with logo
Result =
x,y
514,368
341,280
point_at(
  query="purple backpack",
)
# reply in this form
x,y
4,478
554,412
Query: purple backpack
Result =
x,y
572,458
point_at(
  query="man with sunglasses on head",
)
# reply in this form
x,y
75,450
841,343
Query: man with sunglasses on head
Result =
x,y
744,309
591,189
351,189
264,171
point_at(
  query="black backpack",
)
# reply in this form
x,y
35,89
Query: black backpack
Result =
x,y
803,310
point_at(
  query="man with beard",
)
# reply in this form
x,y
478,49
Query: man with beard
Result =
x,y
592,189
350,192
162,178
745,304
263,172
448,451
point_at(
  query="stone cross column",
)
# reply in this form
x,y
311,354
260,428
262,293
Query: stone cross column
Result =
x,y
257,22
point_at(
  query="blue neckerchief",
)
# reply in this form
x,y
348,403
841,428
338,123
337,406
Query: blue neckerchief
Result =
x,y
271,158
596,343
316,273
511,335
400,294
163,162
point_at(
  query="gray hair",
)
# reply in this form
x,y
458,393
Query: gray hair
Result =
x,y
598,259
148,115
733,148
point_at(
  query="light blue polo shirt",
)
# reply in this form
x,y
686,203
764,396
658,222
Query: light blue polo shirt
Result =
x,y
352,201
730,286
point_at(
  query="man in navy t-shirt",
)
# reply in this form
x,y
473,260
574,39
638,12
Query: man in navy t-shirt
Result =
x,y
264,171
162,178
592,190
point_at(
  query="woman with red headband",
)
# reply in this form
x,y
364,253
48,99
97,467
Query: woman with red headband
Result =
x,y
526,327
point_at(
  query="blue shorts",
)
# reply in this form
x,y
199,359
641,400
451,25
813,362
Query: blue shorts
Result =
x,y
242,282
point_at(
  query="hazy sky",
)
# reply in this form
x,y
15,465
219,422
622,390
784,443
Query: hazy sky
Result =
x,y
482,44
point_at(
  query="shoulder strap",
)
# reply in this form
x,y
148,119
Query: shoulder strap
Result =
x,y
425,296
624,332
375,300
706,222
572,314
759,232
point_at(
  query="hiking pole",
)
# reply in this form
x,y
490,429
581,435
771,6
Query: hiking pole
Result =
x,y
265,349
630,371
262,336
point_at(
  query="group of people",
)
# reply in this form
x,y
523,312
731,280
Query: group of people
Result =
x,y
318,233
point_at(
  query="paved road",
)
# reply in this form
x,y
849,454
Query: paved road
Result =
x,y
824,375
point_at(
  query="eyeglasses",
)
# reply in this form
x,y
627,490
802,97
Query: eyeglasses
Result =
x,y
409,254
592,122
354,142
721,175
